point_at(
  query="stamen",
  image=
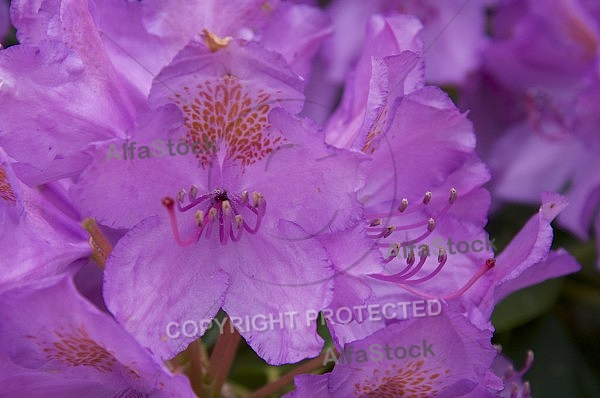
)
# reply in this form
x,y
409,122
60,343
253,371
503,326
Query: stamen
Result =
x,y
409,243
411,258
224,211
389,230
239,223
377,230
430,225
402,278
193,193
410,261
427,198
422,259
453,196
194,203
512,378
442,258
212,217
514,393
526,390
395,250
225,230
199,218
256,199
403,205
101,247
376,222
258,207
181,196
510,372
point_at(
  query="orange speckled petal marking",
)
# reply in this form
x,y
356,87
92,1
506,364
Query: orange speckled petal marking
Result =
x,y
222,114
410,381
6,192
77,348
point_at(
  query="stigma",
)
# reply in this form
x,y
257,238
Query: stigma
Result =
x,y
216,212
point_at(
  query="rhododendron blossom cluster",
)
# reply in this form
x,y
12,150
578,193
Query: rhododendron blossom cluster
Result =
x,y
191,189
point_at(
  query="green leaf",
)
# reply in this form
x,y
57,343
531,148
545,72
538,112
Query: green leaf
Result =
x,y
526,305
559,369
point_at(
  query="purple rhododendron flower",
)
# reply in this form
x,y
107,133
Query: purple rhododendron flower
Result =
x,y
236,218
442,356
527,260
515,387
423,181
71,349
415,231
190,132
231,185
536,106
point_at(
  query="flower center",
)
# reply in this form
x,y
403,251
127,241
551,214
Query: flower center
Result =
x,y
226,211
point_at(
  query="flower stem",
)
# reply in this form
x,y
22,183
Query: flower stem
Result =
x,y
222,357
288,378
198,368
